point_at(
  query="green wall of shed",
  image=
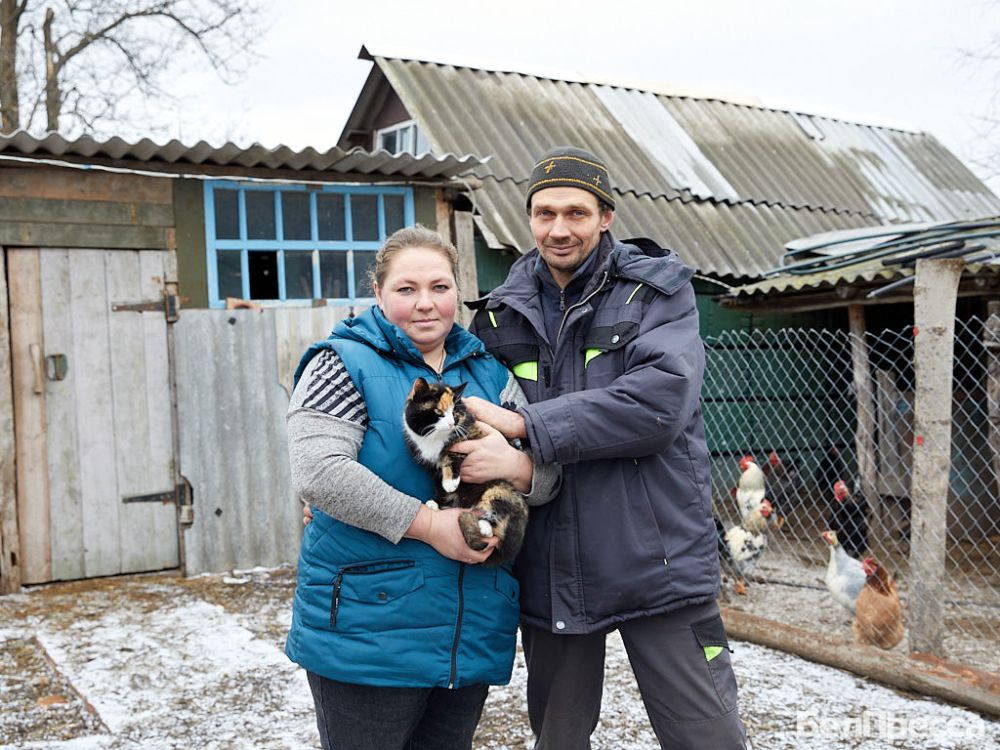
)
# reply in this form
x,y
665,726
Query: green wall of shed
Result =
x,y
189,213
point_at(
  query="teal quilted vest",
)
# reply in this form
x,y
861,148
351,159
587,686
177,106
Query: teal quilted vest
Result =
x,y
370,612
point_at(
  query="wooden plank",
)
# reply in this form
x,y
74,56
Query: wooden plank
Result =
x,y
29,415
56,211
934,322
132,450
65,498
153,272
468,282
864,438
10,547
46,234
76,184
101,499
956,683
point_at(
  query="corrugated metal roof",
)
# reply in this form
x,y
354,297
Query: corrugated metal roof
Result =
x,y
730,182
727,239
860,256
355,161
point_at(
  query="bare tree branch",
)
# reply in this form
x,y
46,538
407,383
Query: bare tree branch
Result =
x,y
89,61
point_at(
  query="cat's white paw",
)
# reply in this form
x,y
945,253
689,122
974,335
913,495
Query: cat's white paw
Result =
x,y
432,504
450,485
485,529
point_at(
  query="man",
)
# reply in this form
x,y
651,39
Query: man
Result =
x,y
603,337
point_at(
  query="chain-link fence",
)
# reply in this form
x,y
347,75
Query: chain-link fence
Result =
x,y
790,398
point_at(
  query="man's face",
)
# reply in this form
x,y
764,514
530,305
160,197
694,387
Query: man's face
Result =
x,y
566,223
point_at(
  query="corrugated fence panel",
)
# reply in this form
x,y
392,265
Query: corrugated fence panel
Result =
x,y
298,327
233,449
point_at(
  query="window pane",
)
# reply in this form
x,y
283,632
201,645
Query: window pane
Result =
x,y
388,141
263,268
393,213
364,260
364,217
298,274
330,217
230,278
260,217
333,273
227,214
295,216
422,145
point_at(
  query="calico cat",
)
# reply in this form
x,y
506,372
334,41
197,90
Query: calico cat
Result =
x,y
434,419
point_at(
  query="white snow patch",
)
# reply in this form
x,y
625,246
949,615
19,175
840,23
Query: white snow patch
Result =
x,y
186,669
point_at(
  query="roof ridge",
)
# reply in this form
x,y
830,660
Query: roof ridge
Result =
x,y
730,98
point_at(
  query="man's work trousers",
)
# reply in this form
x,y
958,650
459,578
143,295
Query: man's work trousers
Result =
x,y
686,681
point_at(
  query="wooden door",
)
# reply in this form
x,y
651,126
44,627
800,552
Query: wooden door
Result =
x,y
95,466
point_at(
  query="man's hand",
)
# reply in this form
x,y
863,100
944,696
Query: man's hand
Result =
x,y
492,457
307,514
510,423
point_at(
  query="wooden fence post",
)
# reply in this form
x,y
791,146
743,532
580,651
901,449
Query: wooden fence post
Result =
x,y
991,340
864,437
934,297
468,279
10,552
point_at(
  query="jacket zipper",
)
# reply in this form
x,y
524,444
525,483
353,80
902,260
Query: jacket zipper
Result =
x,y
338,582
458,629
584,301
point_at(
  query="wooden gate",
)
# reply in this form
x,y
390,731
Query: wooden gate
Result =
x,y
94,447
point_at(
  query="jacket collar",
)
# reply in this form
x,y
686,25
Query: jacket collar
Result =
x,y
640,260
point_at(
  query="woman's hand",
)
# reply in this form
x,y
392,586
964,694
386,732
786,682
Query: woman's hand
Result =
x,y
440,529
307,514
510,423
492,457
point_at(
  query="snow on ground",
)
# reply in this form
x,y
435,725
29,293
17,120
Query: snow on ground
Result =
x,y
163,662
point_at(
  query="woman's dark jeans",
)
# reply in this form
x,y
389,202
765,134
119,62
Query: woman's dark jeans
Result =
x,y
364,717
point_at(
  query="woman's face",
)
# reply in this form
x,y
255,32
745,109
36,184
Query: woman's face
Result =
x,y
419,296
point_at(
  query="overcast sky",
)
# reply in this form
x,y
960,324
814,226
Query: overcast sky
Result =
x,y
891,62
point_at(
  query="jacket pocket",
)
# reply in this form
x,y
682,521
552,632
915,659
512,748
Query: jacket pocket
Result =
x,y
711,636
603,352
371,594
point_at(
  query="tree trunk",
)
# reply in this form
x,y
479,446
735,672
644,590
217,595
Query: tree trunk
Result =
x,y
53,97
10,108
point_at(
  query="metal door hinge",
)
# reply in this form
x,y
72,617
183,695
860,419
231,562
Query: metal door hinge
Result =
x,y
180,495
169,304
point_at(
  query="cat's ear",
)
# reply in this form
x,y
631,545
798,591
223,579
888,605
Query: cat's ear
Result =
x,y
457,390
419,386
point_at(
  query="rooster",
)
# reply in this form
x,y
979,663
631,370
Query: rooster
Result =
x,y
845,575
783,483
831,468
749,491
878,613
742,545
850,520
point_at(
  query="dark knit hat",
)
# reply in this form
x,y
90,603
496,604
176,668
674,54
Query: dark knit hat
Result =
x,y
571,167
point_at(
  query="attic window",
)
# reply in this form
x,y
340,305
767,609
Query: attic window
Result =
x,y
401,138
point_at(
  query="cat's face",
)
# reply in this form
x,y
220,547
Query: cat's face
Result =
x,y
431,408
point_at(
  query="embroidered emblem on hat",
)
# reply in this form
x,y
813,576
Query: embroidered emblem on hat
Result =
x,y
550,166
597,179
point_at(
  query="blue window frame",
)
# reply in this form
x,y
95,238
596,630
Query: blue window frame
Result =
x,y
292,244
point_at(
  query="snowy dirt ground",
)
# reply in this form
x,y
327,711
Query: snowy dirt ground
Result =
x,y
158,661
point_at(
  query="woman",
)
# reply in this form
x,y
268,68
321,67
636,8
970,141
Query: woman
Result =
x,y
398,626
